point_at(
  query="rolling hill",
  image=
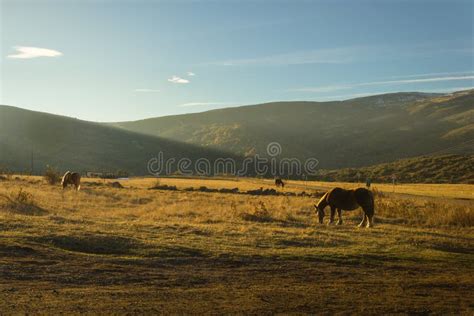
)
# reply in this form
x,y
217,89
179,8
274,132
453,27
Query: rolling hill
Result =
x,y
340,134
351,133
71,144
425,169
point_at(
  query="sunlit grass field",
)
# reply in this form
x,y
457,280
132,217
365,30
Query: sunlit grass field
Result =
x,y
132,250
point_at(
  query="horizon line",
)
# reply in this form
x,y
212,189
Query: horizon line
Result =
x,y
340,98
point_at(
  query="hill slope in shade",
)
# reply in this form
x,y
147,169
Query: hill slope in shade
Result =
x,y
425,169
351,133
71,144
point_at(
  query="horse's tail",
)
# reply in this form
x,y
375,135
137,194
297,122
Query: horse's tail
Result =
x,y
371,209
371,202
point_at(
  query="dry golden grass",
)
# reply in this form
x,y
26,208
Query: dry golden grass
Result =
x,y
461,191
131,250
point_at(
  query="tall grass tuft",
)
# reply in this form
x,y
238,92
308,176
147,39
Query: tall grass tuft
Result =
x,y
426,213
51,176
23,203
260,213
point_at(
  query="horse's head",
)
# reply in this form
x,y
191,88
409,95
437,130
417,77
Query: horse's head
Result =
x,y
320,212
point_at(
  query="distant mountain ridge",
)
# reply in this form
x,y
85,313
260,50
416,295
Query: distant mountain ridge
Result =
x,y
340,134
351,133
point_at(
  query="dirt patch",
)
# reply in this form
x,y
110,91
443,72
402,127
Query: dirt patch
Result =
x,y
116,185
31,210
93,184
453,248
93,244
164,187
16,251
260,191
63,220
313,243
141,201
179,252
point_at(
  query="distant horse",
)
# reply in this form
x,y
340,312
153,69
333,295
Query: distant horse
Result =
x,y
279,182
73,178
348,200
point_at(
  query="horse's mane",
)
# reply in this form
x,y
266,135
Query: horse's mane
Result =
x,y
322,201
66,175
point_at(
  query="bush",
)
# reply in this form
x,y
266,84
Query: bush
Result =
x,y
23,198
5,173
52,176
158,186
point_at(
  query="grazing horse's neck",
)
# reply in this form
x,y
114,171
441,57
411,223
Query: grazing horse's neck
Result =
x,y
322,202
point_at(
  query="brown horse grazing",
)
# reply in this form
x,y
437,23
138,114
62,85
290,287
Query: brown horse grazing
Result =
x,y
73,178
348,200
279,182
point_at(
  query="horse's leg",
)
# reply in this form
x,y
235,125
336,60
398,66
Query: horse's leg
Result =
x,y
369,215
339,215
333,212
370,223
364,220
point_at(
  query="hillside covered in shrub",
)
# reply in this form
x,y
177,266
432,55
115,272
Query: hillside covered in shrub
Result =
x,y
424,169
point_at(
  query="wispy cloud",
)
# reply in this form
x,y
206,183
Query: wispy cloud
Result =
x,y
349,54
379,83
191,74
437,74
203,104
146,90
320,56
24,52
176,79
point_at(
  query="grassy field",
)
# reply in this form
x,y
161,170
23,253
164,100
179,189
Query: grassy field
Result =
x,y
450,191
131,250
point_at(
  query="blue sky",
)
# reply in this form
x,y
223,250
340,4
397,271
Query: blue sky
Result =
x,y
125,60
